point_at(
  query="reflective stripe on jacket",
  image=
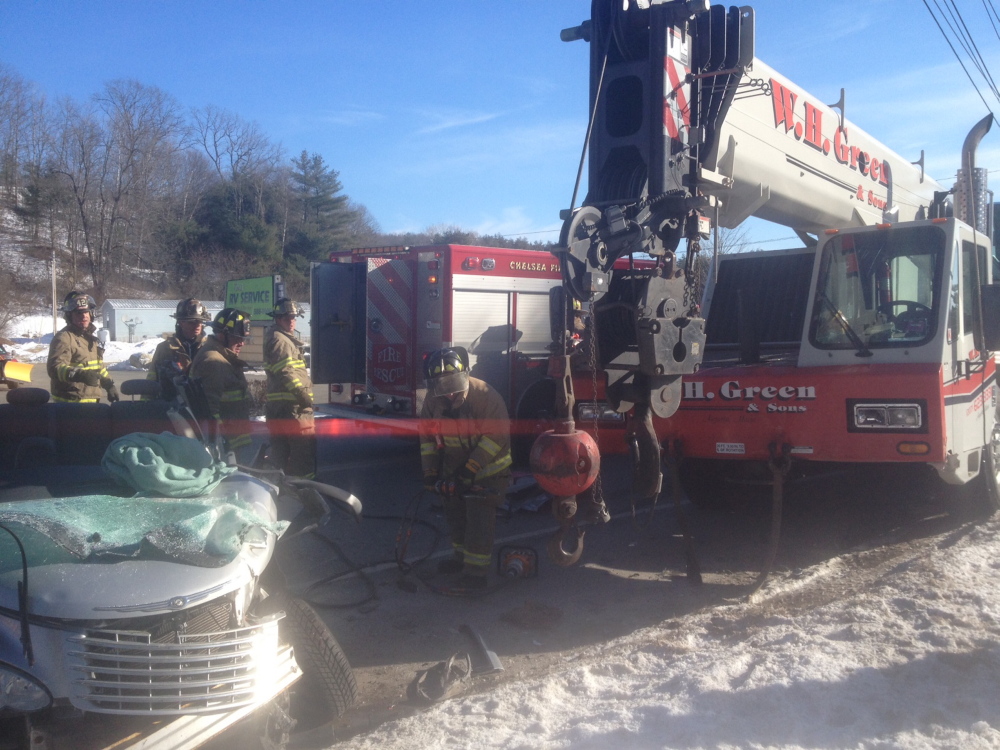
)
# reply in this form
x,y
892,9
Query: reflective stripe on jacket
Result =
x,y
73,348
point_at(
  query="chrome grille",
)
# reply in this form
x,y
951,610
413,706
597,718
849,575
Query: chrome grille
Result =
x,y
127,672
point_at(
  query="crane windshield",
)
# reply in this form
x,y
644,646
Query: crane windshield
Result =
x,y
878,289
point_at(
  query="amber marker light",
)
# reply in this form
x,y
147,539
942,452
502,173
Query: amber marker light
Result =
x,y
913,449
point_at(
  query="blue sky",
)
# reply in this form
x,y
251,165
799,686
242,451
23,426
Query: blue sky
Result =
x,y
468,112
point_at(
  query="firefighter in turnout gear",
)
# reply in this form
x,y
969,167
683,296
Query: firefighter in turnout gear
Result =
x,y
174,355
219,370
465,456
76,356
289,394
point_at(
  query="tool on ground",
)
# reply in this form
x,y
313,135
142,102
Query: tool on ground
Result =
x,y
489,662
444,680
517,562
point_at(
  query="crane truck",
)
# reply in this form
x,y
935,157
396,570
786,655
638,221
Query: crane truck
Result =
x,y
873,343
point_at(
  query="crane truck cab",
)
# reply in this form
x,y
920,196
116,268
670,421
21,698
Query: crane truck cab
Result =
x,y
875,346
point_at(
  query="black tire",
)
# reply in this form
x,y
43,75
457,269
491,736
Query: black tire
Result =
x,y
327,687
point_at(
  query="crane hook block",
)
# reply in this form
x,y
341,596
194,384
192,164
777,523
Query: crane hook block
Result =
x,y
565,464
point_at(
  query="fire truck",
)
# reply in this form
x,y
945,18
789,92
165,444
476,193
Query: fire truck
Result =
x,y
872,343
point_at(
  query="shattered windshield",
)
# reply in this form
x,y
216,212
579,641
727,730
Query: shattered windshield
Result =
x,y
878,289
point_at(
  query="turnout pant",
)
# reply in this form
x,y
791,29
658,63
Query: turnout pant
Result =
x,y
293,445
471,523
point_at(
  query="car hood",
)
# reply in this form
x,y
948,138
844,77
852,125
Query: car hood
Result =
x,y
98,558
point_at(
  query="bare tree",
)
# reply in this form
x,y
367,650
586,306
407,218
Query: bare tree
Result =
x,y
113,155
240,152
22,133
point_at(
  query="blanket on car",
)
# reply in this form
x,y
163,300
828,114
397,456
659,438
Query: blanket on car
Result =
x,y
164,465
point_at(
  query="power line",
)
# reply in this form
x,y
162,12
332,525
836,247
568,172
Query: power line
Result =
x,y
957,56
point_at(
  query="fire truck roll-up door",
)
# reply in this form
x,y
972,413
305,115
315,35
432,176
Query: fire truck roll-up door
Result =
x,y
506,333
338,315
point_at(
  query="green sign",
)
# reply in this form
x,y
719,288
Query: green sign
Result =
x,y
253,296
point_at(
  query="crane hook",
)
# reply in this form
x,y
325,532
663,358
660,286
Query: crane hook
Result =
x,y
558,554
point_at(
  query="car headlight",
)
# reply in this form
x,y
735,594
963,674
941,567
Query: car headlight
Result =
x,y
20,692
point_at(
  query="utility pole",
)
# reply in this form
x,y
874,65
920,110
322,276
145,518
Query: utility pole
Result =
x,y
55,318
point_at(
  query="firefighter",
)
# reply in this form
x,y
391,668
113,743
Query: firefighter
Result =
x,y
76,356
174,355
218,368
289,407
465,456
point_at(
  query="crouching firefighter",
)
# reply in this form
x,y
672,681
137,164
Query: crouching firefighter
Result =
x,y
465,456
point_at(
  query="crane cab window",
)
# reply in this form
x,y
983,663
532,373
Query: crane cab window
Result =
x,y
878,289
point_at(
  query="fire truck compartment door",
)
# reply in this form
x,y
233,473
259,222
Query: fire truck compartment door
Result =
x,y
337,354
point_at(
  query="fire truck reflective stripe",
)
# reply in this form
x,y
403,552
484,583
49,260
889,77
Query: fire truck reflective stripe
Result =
x,y
389,297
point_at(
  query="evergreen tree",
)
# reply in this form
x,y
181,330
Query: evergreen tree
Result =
x,y
322,216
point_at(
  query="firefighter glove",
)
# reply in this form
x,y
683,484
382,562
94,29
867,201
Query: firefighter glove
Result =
x,y
109,385
80,375
303,400
466,476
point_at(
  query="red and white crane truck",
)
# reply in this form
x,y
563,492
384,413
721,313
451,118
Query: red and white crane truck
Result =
x,y
873,343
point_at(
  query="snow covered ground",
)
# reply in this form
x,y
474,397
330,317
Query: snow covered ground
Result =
x,y
908,658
